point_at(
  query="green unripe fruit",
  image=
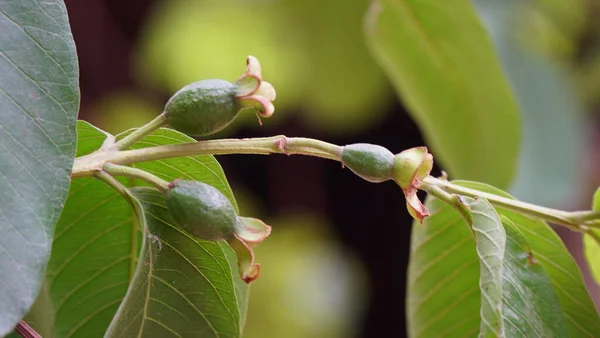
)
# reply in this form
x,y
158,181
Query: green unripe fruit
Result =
x,y
202,108
201,210
371,162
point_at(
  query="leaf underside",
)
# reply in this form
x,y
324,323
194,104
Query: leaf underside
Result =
x,y
183,287
39,101
444,297
490,243
97,243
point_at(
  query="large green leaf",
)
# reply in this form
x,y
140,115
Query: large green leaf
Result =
x,y
490,243
200,168
443,293
517,298
93,256
443,65
39,100
97,243
591,246
183,287
549,250
531,307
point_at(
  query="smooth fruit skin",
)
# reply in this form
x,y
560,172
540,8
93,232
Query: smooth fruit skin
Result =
x,y
201,210
371,162
202,108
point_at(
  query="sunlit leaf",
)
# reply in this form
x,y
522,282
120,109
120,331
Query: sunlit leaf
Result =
x,y
592,245
444,67
490,244
550,110
443,292
531,307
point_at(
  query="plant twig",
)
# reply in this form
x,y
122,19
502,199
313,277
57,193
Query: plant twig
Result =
x,y
568,219
452,200
121,170
259,146
26,331
86,165
139,133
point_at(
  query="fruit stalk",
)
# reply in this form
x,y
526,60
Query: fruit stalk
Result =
x,y
26,331
121,170
566,218
139,133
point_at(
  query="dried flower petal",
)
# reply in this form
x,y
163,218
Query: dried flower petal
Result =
x,y
251,230
411,166
249,271
252,92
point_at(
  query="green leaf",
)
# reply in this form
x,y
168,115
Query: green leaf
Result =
x,y
490,242
591,245
549,250
94,253
183,287
39,100
443,294
444,67
443,298
97,243
531,307
517,298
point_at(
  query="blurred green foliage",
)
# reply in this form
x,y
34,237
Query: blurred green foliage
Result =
x,y
313,52
309,286
551,112
119,111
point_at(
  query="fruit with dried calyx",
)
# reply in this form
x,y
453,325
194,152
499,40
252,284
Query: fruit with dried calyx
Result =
x,y
410,168
208,106
204,212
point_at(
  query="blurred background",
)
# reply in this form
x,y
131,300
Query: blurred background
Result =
x,y
335,265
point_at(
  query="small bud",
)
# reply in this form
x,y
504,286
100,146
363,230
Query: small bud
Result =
x,y
371,162
410,167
